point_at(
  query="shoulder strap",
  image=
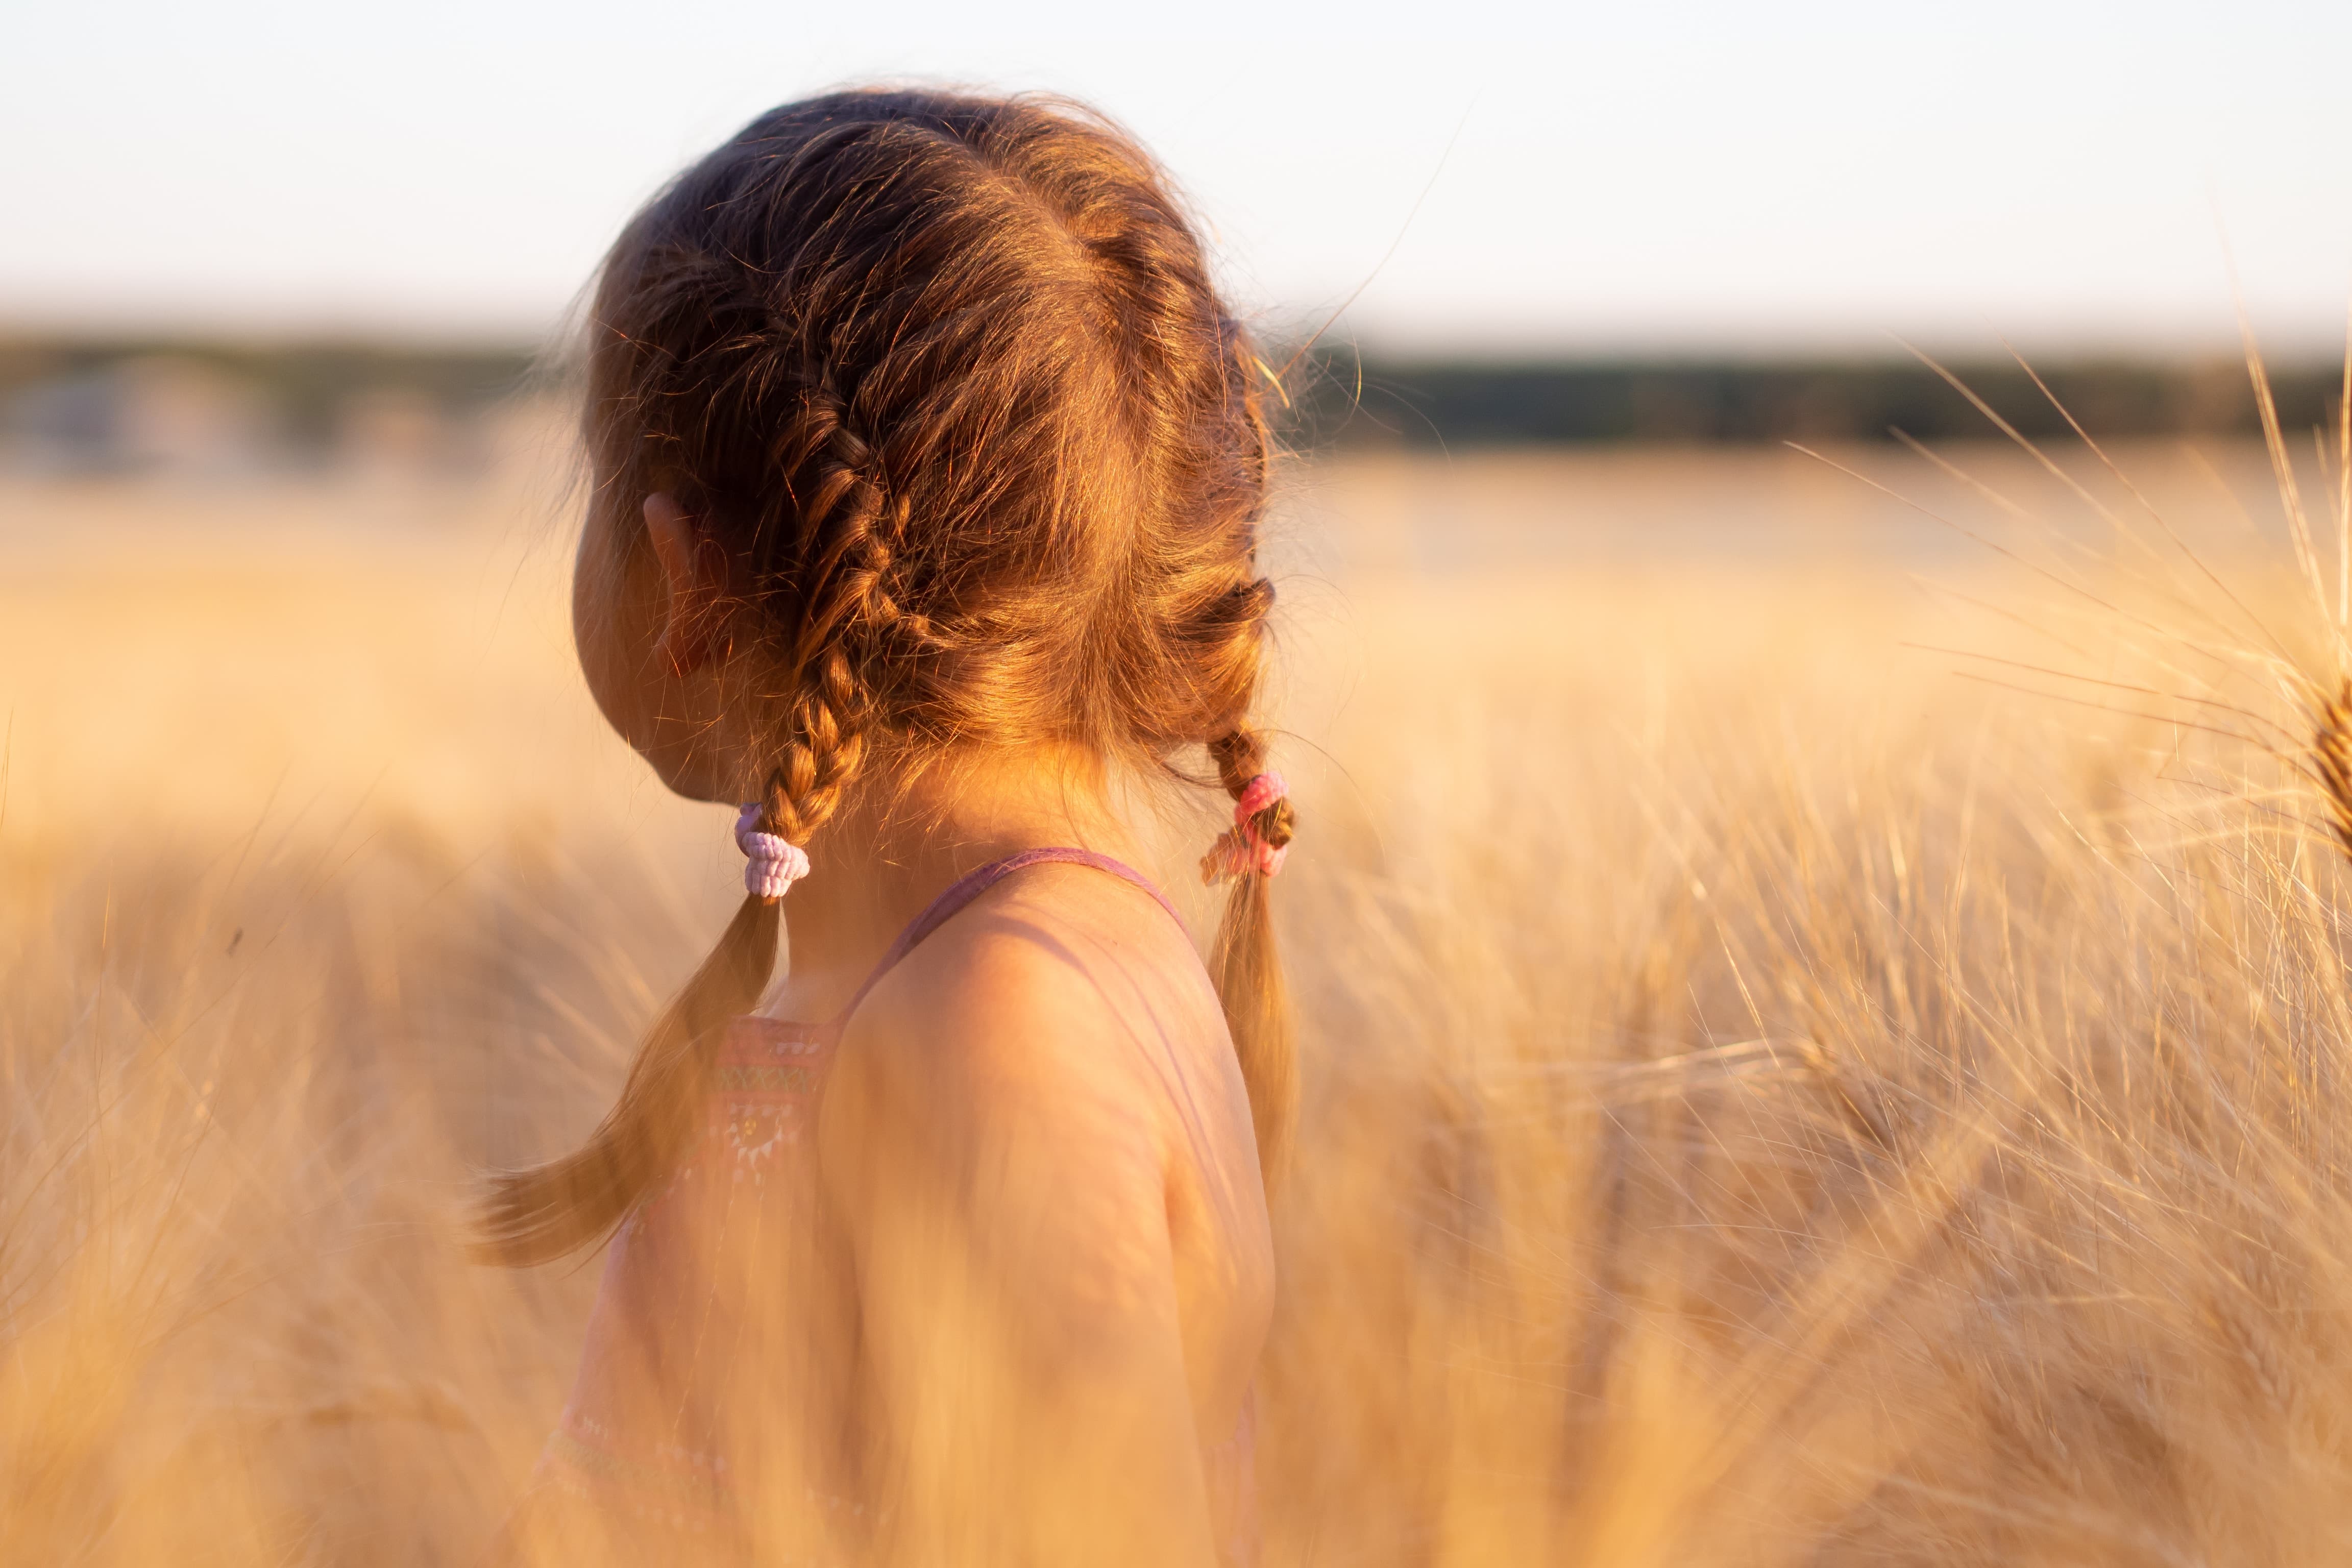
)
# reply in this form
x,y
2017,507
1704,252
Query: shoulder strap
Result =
x,y
970,886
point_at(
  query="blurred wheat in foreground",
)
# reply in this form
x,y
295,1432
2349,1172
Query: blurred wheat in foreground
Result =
x,y
1769,1102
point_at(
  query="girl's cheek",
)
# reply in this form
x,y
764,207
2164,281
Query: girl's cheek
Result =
x,y
600,634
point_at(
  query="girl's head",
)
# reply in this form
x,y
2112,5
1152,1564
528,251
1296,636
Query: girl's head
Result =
x,y
934,398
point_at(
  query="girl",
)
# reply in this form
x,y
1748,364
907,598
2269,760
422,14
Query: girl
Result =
x,y
928,475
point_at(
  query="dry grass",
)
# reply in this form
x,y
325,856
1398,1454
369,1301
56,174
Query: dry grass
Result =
x,y
1769,1100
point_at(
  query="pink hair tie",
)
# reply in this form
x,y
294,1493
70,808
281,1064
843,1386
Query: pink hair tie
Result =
x,y
1242,847
776,862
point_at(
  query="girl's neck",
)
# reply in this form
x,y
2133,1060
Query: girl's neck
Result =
x,y
899,842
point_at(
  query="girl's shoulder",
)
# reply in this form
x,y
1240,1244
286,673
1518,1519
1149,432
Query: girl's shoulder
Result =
x,y
1059,1000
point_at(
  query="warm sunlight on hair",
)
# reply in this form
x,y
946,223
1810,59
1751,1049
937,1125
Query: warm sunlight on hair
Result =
x,y
937,900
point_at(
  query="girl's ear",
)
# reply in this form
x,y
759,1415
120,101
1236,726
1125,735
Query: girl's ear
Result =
x,y
691,588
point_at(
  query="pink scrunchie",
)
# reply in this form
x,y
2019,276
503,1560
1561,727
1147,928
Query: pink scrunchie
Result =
x,y
1242,847
775,862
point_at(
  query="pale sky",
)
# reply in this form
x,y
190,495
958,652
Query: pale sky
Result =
x,y
1677,177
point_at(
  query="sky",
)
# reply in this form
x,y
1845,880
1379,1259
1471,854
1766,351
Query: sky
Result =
x,y
1486,179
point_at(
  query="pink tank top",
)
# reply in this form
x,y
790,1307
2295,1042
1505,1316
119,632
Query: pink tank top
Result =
x,y
648,1433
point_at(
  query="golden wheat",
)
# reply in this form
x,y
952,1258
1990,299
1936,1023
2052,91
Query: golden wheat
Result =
x,y
1768,1100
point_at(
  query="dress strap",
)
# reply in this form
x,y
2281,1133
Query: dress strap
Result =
x,y
970,885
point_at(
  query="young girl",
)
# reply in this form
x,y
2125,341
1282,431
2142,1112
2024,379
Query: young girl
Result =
x,y
928,475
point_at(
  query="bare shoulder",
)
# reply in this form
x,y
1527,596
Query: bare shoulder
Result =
x,y
1062,1002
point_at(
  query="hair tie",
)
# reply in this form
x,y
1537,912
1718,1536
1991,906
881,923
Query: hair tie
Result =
x,y
776,862
1242,847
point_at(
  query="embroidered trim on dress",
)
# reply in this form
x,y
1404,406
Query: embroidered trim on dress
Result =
x,y
761,1078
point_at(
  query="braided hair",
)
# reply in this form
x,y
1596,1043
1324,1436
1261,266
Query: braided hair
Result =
x,y
947,380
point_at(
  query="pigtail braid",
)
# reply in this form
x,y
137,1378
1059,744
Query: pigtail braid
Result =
x,y
543,1212
1248,971
841,557
948,381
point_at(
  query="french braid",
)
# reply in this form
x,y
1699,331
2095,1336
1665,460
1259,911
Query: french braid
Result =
x,y
948,381
536,1215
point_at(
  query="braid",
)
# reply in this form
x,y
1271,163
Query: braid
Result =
x,y
842,559
948,380
537,1214
1240,756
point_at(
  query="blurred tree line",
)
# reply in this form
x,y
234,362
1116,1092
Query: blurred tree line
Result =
x,y
105,405
1350,402
101,405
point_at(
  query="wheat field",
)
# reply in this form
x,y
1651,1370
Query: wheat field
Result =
x,y
1783,1086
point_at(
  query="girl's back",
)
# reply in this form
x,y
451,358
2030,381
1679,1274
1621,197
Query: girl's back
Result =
x,y
1042,1045
1060,1042
928,470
